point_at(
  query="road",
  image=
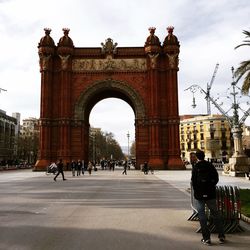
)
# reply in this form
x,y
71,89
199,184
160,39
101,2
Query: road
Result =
x,y
106,211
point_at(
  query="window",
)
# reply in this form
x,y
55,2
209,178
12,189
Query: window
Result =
x,y
212,135
202,136
223,135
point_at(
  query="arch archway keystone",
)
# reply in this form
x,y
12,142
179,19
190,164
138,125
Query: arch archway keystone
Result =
x,y
113,88
75,79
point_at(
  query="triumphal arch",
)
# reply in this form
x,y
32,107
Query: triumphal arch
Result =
x,y
75,79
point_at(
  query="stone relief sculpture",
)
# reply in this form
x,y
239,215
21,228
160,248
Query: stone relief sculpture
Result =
x,y
44,62
153,60
109,47
64,61
109,64
172,60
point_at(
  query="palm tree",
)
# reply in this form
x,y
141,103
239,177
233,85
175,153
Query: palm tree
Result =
x,y
244,68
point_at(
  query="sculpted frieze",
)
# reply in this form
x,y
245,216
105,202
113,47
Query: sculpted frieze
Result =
x,y
109,63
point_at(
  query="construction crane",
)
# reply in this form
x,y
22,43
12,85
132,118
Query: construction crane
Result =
x,y
193,88
209,86
2,90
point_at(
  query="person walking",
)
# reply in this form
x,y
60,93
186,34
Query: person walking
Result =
x,y
145,168
90,166
73,166
204,179
60,170
79,167
125,168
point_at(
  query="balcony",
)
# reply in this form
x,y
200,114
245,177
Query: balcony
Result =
x,y
211,129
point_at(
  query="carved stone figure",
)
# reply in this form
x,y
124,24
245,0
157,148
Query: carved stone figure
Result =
x,y
64,61
109,47
44,62
173,61
153,60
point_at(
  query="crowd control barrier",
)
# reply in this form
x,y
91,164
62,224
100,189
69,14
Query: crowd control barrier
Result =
x,y
228,203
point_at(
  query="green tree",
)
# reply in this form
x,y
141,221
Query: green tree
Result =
x,y
103,145
244,68
132,150
27,148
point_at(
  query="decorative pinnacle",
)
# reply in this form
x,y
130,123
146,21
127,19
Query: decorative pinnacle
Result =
x,y
47,31
152,30
170,29
66,31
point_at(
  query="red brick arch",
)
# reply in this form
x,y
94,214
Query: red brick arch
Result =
x,y
74,79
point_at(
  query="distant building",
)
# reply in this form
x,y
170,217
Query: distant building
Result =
x,y
7,137
30,127
18,119
17,131
212,134
29,138
246,137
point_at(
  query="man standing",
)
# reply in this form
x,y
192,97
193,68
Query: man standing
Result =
x,y
73,167
204,180
60,170
79,167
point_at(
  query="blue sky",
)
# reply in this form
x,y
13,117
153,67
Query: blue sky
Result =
x,y
208,31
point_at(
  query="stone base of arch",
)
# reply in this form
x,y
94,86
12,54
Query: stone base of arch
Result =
x,y
156,163
175,163
41,165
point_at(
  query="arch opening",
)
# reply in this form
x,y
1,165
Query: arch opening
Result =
x,y
112,131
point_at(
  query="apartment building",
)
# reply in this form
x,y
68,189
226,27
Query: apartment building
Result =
x,y
210,133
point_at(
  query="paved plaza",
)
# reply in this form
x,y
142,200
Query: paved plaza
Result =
x,y
106,211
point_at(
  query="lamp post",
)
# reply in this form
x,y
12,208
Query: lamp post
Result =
x,y
128,135
238,163
94,148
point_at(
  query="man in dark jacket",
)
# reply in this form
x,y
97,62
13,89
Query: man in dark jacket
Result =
x,y
204,180
60,170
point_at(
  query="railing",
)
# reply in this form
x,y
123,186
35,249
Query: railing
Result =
x,y
228,204
218,165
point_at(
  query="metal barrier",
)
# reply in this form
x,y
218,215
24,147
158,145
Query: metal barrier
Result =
x,y
194,215
218,165
228,203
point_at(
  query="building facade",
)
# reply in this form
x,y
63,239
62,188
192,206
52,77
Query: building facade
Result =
x,y
30,127
29,140
7,137
212,134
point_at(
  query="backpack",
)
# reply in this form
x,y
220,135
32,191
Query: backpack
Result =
x,y
205,180
204,175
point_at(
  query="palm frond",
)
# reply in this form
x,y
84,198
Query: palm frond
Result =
x,y
242,69
247,33
245,42
246,84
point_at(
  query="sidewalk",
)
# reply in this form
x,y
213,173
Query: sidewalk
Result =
x,y
181,181
104,211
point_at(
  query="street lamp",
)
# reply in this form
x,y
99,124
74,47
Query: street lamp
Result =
x,y
238,163
128,135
